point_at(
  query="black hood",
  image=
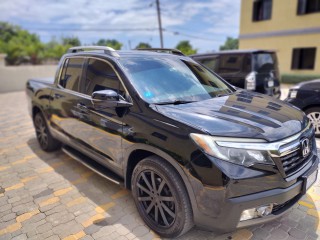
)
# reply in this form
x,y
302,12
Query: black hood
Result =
x,y
242,114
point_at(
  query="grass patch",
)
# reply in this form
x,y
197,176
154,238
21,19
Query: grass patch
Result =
x,y
292,78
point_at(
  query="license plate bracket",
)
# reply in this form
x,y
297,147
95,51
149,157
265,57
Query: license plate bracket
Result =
x,y
309,180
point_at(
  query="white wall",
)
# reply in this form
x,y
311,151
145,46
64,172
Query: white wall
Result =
x,y
14,78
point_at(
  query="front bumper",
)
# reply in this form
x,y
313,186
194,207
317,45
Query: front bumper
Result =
x,y
230,211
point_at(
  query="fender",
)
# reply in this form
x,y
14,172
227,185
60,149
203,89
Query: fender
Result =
x,y
186,177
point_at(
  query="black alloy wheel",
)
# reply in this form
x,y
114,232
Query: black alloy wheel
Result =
x,y
41,131
46,141
156,198
161,197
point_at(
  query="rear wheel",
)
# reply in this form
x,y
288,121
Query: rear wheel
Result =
x,y
45,139
161,197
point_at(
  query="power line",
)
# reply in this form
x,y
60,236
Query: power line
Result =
x,y
122,30
95,29
189,35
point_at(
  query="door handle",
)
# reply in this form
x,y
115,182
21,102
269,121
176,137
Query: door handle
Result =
x,y
82,106
57,96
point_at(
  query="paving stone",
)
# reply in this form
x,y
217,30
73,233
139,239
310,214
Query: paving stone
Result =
x,y
8,217
103,232
44,228
279,234
87,237
66,229
36,218
14,199
46,208
43,193
16,233
140,231
92,229
23,201
6,236
297,233
56,209
5,207
20,237
53,237
261,232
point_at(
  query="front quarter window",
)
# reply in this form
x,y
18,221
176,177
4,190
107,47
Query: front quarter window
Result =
x,y
159,80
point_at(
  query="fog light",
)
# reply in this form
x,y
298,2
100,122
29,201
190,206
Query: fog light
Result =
x,y
256,212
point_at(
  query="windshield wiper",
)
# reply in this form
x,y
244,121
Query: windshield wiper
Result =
x,y
175,102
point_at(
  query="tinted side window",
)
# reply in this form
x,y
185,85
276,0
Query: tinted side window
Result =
x,y
210,63
100,76
230,63
71,73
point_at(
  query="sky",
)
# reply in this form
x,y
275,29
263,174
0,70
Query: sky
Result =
x,y
204,23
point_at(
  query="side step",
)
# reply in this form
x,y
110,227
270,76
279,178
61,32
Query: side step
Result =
x,y
93,165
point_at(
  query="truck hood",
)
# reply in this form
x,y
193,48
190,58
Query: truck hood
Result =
x,y
242,114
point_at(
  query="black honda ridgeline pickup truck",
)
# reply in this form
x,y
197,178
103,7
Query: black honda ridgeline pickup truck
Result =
x,y
193,149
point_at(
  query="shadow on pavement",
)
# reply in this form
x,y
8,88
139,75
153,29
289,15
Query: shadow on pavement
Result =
x,y
116,206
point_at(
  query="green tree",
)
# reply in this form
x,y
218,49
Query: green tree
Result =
x,y
230,43
186,48
110,43
54,50
19,45
143,45
72,41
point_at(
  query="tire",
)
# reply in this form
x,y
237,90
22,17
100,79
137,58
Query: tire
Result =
x,y
168,212
314,115
44,137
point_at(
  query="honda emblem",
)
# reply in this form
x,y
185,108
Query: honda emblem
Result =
x,y
305,147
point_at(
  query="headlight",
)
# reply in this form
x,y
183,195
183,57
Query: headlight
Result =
x,y
246,152
293,93
250,83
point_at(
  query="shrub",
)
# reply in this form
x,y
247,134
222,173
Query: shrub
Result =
x,y
292,78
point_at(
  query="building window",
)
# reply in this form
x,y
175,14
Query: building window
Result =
x,y
308,6
261,10
303,58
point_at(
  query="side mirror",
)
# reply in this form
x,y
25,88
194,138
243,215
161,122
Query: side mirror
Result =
x,y
105,95
108,99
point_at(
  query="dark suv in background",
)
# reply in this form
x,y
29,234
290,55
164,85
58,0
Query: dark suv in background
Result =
x,y
254,70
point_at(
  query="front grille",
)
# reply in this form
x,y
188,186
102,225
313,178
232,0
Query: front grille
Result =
x,y
294,160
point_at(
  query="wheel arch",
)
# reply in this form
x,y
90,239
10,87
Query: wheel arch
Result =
x,y
310,106
141,151
35,109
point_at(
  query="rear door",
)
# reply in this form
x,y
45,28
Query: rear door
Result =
x,y
64,99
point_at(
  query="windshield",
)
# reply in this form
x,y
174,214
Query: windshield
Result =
x,y
165,80
264,62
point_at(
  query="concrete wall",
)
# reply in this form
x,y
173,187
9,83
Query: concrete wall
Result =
x,y
13,78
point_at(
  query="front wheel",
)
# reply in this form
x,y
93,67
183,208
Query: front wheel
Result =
x,y
161,197
314,115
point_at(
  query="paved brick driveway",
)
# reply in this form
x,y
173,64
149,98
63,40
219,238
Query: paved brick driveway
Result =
x,y
51,196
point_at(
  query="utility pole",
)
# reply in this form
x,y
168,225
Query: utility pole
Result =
x,y
159,22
